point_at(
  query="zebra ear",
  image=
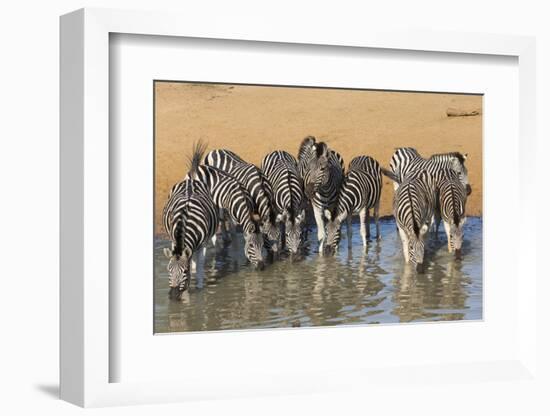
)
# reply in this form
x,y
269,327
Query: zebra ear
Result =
x,y
167,252
465,156
279,217
328,215
301,216
187,253
424,229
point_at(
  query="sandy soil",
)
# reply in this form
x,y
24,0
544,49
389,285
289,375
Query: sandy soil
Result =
x,y
253,121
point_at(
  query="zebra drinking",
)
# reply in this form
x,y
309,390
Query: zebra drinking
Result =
x,y
451,208
190,219
413,207
281,170
406,160
360,192
322,172
230,196
253,180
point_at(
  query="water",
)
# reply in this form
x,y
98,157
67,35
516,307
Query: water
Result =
x,y
353,287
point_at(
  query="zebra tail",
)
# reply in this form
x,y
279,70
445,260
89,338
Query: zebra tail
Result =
x,y
416,228
199,149
456,217
390,175
178,235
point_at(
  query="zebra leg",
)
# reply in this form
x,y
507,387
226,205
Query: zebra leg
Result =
x,y
367,223
364,218
376,218
405,241
232,230
350,231
437,222
223,227
200,256
320,227
448,232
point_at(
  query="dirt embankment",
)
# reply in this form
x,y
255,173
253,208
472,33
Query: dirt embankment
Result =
x,y
253,121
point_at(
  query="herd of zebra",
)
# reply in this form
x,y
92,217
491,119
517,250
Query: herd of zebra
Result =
x,y
270,203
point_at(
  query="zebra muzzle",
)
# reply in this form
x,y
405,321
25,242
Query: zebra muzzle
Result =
x,y
458,254
260,265
295,257
328,251
175,293
420,267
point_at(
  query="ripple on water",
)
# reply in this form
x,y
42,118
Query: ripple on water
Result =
x,y
353,287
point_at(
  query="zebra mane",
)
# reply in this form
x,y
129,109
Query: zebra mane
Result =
x,y
307,142
408,149
321,149
461,158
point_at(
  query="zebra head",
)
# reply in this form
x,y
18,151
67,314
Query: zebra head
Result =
x,y
178,271
416,249
272,233
332,238
253,245
456,235
294,225
316,170
458,165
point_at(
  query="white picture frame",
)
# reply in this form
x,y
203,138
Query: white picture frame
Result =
x,y
85,220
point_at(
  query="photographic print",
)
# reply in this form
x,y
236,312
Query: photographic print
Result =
x,y
290,206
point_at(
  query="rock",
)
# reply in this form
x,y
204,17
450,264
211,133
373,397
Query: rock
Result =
x,y
455,112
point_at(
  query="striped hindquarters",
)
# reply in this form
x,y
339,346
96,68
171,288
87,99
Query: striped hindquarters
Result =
x,y
250,177
190,216
452,200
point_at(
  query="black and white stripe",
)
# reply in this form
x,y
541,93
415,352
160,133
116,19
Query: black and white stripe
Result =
x,y
413,206
451,208
281,170
406,160
322,171
253,180
190,219
360,192
229,195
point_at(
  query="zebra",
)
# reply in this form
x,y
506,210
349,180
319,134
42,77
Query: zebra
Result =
x,y
407,159
360,192
190,219
281,170
451,208
229,195
259,188
413,207
322,172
